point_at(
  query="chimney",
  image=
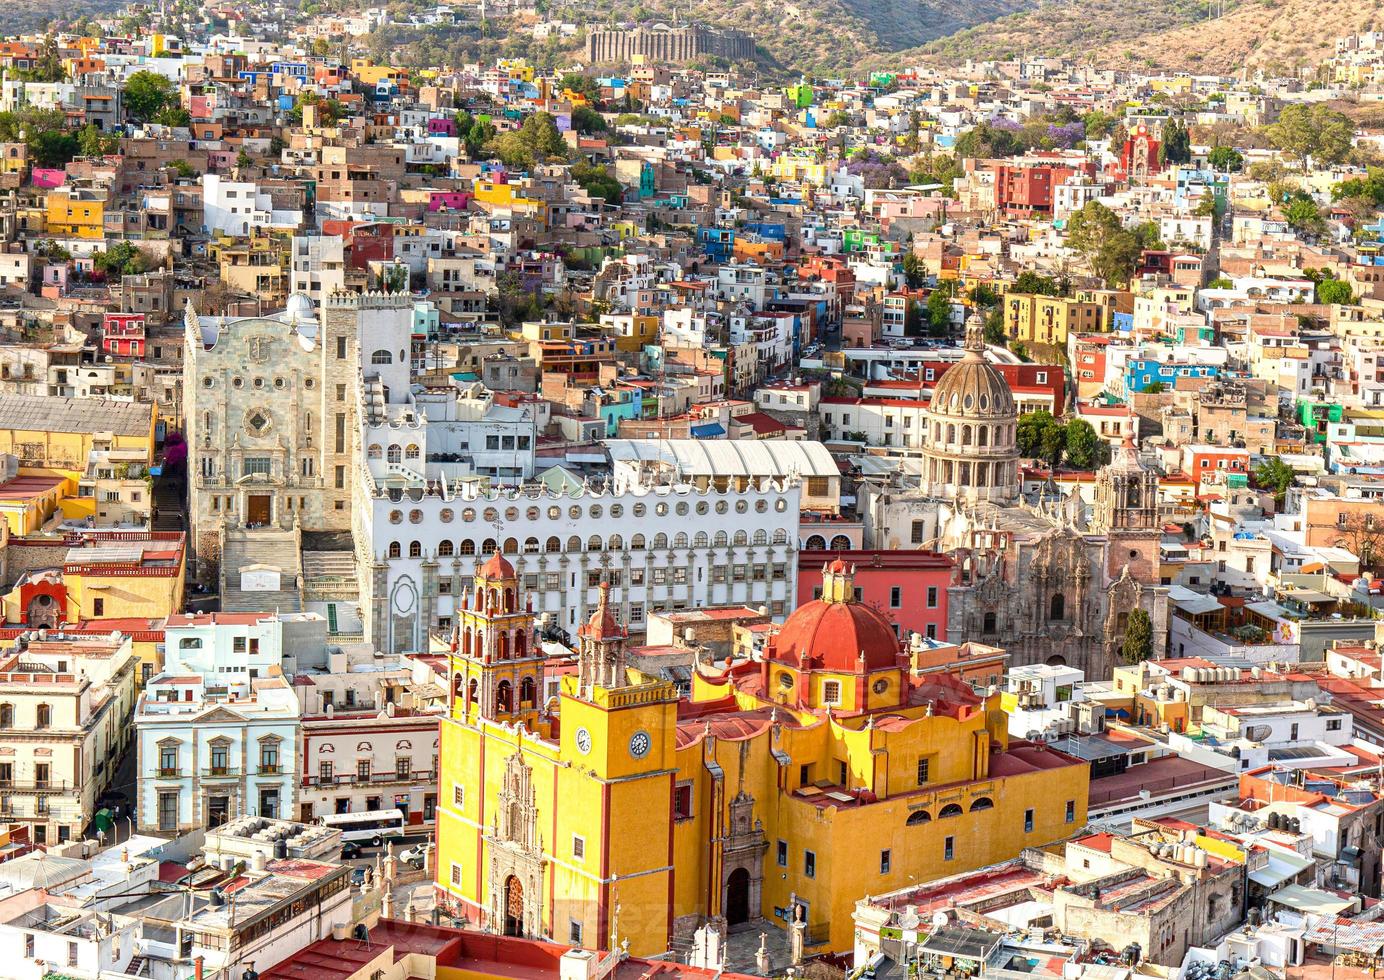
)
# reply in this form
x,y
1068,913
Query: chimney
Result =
x,y
197,966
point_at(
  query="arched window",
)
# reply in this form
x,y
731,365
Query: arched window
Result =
x,y
593,543
574,544
840,543
982,803
382,357
415,549
816,542
988,628
950,810
721,540
615,543
680,539
411,451
951,432
473,692
374,452
966,435
637,543
504,695
530,546
552,546
660,541
700,539
466,547
6,716
394,551
444,548
741,539
915,818
489,546
43,716
780,536
394,455
511,546
982,435
527,691
761,536
1057,608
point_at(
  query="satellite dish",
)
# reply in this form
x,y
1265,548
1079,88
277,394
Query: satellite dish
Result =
x,y
939,919
910,920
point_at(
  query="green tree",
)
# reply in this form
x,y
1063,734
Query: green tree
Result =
x,y
1304,217
1334,291
1225,159
1220,282
1110,250
994,328
147,94
1317,132
1034,283
91,142
598,182
121,259
1206,207
1176,145
984,294
1138,639
1040,436
1276,475
1099,124
1085,449
53,148
939,311
586,120
583,85
836,119
913,272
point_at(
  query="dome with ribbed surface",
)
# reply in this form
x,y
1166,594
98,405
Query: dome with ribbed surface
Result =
x,y
837,633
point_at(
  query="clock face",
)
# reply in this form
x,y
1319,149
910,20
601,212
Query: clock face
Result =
x,y
583,741
640,743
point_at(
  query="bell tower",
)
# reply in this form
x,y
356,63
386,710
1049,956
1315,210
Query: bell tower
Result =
x,y
601,650
497,664
1126,511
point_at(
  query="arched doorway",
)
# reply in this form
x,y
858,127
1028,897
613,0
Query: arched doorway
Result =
x,y
514,907
738,897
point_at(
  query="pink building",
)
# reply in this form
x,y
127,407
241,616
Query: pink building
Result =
x,y
909,587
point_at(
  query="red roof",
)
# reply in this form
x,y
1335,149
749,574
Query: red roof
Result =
x,y
847,637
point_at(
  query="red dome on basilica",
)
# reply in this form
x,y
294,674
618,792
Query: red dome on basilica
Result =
x,y
496,567
835,632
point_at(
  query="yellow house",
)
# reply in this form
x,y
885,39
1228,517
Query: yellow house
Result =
x,y
49,433
800,168
105,575
784,788
632,332
75,214
27,502
1049,319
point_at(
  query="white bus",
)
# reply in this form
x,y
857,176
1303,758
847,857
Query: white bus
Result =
x,y
375,826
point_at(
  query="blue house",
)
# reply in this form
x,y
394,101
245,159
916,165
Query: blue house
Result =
x,y
1143,373
718,243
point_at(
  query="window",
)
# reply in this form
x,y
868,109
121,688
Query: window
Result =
x,y
783,854
578,847
810,864
923,766
1028,821
1071,811
255,466
1332,724
831,692
43,714
895,597
948,848
682,801
29,945
884,861
932,597
168,811
269,757
574,932
382,357
71,953
98,607
459,796
456,873
168,760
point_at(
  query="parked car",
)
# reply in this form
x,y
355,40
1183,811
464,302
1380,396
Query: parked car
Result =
x,y
358,876
350,849
415,857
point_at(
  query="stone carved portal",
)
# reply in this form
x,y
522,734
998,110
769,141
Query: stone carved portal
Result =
x,y
745,845
515,884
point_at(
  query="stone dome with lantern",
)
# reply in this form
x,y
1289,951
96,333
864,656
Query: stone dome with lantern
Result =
x,y
972,451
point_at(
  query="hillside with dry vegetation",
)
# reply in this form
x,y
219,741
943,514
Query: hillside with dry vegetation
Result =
x,y
1277,35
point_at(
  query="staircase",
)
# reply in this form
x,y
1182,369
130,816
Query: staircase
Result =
x,y
168,501
243,547
330,576
136,967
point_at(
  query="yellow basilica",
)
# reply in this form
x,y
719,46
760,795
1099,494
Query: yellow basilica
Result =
x,y
788,787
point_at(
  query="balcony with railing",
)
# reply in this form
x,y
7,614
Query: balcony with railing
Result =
x,y
382,778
